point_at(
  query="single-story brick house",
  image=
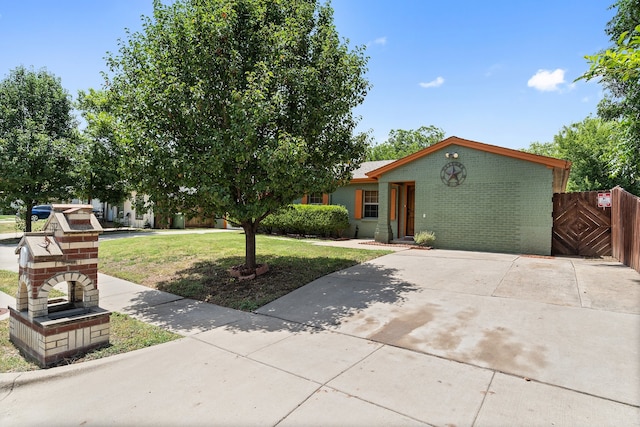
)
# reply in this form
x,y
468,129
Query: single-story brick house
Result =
x,y
473,196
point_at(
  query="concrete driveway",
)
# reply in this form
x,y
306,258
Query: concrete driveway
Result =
x,y
430,338
567,324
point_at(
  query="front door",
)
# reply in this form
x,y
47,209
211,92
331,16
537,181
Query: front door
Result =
x,y
410,215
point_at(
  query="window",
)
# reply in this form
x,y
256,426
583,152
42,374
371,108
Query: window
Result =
x,y
315,199
370,204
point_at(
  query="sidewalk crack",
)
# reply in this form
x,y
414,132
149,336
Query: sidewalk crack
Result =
x,y
11,388
486,392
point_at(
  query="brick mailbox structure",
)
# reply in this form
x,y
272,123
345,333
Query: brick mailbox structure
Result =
x,y
48,330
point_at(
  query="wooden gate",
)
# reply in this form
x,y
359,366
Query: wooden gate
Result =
x,y
580,227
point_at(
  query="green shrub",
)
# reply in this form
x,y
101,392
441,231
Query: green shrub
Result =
x,y
424,238
327,220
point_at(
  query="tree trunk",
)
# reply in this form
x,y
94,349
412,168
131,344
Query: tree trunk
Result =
x,y
27,219
250,245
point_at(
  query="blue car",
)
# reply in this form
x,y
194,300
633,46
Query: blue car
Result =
x,y
40,212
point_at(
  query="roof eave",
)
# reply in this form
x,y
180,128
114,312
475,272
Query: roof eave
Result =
x,y
522,155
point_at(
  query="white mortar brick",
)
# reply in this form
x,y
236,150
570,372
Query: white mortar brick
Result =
x,y
72,339
57,337
81,245
49,345
99,339
78,216
79,338
100,328
37,265
56,351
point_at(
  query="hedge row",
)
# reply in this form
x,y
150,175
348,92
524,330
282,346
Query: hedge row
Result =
x,y
325,220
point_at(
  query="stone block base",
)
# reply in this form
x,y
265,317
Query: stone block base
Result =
x,y
48,341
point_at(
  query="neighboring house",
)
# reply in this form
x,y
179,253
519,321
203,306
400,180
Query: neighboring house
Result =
x,y
124,214
473,196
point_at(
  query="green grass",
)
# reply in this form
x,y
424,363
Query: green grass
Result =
x,y
9,285
127,334
8,282
195,265
8,224
7,227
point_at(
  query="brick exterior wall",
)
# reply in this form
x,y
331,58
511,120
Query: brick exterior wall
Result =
x,y
504,204
345,196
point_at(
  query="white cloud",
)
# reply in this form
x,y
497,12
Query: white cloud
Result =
x,y
547,81
381,41
433,83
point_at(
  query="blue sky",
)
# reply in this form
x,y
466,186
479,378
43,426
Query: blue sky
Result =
x,y
496,71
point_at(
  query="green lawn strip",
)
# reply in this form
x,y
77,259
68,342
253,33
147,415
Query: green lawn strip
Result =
x,y
9,285
195,265
7,217
7,227
127,334
10,227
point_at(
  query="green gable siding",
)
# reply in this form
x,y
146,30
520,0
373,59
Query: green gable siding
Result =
x,y
504,205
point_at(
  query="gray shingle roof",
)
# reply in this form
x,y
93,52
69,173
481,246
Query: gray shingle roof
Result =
x,y
365,167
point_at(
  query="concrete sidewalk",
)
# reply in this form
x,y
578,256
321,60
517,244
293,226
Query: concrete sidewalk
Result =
x,y
412,338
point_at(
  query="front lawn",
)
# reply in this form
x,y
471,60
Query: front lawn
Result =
x,y
195,265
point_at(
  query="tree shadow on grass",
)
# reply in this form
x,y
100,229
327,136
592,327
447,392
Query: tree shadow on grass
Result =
x,y
294,295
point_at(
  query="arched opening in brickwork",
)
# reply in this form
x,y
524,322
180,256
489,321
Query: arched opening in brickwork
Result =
x,y
22,296
79,293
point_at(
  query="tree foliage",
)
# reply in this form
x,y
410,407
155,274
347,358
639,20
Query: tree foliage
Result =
x,y
38,139
618,69
237,106
590,146
401,143
102,175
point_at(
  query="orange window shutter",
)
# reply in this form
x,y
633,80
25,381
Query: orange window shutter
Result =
x,y
304,200
325,199
358,208
392,215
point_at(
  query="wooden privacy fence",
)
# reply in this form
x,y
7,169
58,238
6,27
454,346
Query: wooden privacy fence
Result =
x,y
580,227
625,227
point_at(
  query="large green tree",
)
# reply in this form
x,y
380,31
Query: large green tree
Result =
x,y
38,139
590,146
618,69
102,176
401,143
238,106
